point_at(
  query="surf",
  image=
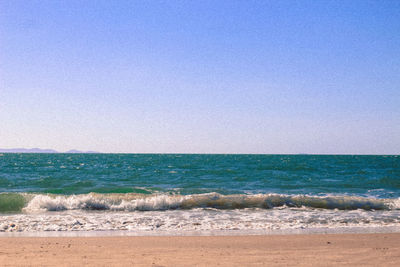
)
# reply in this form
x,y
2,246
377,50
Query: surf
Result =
x,y
33,203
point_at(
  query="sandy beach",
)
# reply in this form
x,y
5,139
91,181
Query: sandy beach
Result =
x,y
276,250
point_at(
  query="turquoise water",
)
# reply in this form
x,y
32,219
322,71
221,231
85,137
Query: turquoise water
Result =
x,y
173,192
377,176
231,181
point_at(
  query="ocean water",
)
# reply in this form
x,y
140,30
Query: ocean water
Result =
x,y
177,193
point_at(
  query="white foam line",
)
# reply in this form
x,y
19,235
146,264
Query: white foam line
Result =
x,y
319,230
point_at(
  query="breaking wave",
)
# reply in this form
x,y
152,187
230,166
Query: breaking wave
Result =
x,y
30,203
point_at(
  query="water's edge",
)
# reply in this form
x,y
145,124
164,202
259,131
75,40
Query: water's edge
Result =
x,y
119,233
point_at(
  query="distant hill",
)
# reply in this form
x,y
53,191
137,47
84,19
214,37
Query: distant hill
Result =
x,y
39,150
79,151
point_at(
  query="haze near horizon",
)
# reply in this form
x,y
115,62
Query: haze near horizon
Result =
x,y
201,77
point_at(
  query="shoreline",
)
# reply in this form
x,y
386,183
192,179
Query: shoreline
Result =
x,y
277,250
200,233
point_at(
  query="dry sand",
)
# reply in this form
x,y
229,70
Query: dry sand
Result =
x,y
292,250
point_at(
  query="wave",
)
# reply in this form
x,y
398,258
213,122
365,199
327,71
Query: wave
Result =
x,y
30,203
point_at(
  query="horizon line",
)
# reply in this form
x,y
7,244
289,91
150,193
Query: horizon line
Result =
x,y
212,153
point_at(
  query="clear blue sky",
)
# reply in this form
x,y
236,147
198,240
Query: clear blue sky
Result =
x,y
201,76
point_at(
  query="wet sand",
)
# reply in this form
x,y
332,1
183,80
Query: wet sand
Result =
x,y
267,250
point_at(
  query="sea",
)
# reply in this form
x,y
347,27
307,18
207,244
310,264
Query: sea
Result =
x,y
196,194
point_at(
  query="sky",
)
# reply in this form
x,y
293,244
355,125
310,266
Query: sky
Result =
x,y
271,77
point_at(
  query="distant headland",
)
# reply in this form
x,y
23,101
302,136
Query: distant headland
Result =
x,y
39,150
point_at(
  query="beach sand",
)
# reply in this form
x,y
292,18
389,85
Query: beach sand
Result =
x,y
303,250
